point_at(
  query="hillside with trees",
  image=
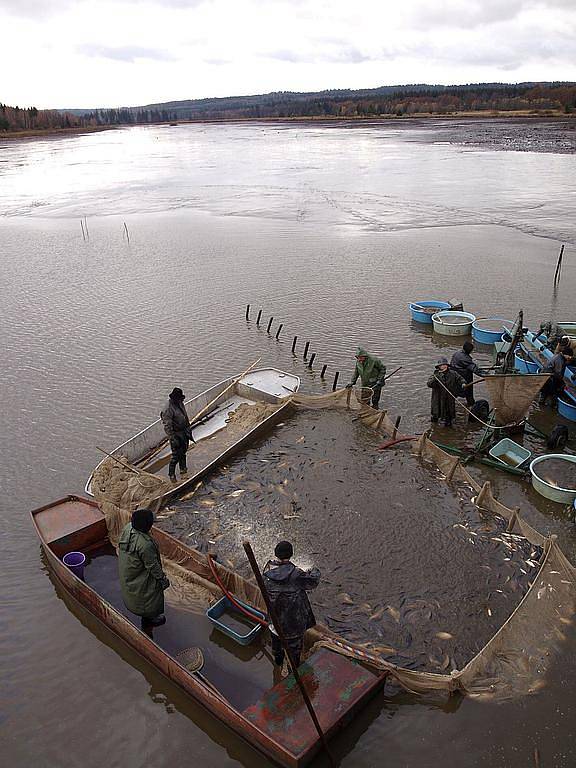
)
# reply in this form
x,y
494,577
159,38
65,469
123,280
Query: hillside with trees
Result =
x,y
526,99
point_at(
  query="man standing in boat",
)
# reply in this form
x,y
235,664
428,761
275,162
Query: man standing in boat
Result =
x,y
177,427
142,580
465,367
287,585
372,373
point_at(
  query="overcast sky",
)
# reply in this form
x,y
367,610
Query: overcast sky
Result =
x,y
85,53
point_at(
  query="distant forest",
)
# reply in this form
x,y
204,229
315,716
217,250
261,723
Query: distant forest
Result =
x,y
387,101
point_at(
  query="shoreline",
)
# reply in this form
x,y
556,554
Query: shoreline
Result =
x,y
525,116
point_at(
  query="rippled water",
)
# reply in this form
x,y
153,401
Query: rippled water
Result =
x,y
330,231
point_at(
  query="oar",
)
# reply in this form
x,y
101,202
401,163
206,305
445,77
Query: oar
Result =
x,y
122,463
471,383
287,651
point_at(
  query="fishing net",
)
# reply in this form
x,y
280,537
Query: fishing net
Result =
x,y
512,395
515,660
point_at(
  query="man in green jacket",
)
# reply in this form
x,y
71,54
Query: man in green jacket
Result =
x,y
372,373
142,579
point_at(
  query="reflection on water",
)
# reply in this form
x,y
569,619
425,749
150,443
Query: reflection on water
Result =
x,y
332,233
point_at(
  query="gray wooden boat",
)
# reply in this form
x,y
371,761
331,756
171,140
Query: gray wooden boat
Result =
x,y
217,435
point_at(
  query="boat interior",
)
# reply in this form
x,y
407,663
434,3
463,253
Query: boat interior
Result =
x,y
150,450
244,676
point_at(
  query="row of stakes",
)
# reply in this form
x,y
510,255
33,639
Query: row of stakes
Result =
x,y
294,340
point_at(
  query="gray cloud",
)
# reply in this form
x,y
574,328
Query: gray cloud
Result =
x,y
126,53
345,54
43,8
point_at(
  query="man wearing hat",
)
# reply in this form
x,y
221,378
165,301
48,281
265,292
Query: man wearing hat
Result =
x,y
372,373
177,427
446,385
142,580
287,585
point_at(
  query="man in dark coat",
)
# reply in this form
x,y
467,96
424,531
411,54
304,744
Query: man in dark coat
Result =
x,y
555,384
446,385
177,427
142,579
465,367
286,586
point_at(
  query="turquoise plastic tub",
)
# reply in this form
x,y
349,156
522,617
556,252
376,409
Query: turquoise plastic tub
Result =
x,y
523,365
224,608
425,317
567,407
485,335
509,453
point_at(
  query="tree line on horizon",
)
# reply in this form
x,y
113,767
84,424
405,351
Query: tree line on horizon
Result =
x,y
387,101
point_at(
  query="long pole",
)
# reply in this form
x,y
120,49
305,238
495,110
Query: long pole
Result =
x,y
282,638
122,464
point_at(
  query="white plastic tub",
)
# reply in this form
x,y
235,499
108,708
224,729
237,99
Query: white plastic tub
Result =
x,y
553,492
453,322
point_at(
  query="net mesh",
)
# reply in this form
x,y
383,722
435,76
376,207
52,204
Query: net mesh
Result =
x,y
513,662
512,395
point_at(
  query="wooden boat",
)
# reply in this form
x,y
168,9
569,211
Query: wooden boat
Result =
x,y
216,438
236,683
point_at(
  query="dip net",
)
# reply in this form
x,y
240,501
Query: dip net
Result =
x,y
512,663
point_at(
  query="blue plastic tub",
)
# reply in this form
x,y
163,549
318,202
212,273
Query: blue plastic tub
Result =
x,y
485,335
217,615
426,317
523,365
567,407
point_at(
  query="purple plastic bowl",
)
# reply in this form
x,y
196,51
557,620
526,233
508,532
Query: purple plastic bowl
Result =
x,y
75,561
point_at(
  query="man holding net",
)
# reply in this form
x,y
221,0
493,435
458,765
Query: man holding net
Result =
x,y
372,373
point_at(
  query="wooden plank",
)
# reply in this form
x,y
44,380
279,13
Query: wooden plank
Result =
x,y
336,685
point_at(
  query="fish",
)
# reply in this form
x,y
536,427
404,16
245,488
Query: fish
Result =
x,y
384,649
301,439
488,611
444,635
207,503
291,517
376,615
394,612
237,493
345,598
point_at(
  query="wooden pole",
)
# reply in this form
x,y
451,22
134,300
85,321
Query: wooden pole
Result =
x,y
278,331
311,361
122,463
269,324
335,382
258,318
126,230
294,344
306,346
247,311
559,265
323,371
396,425
282,638
83,233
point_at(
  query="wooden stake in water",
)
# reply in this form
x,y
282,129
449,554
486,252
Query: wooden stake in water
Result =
x,y
280,632
258,318
278,331
83,233
294,344
86,228
247,311
311,361
323,371
126,230
306,347
269,324
558,266
335,382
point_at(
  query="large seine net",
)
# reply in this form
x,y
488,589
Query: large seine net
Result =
x,y
512,663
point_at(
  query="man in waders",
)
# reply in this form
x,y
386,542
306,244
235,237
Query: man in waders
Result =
x,y
142,580
372,372
286,586
446,386
177,427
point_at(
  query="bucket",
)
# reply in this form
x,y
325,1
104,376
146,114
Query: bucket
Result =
x,y
452,323
75,561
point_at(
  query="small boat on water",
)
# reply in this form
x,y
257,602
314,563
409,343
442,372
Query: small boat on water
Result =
x,y
233,413
236,683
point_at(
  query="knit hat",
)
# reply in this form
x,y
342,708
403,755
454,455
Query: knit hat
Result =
x,y
142,520
442,361
284,550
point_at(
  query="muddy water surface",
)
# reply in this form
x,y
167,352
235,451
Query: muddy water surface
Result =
x,y
332,232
